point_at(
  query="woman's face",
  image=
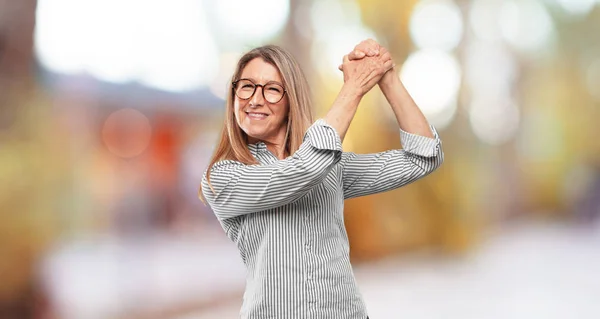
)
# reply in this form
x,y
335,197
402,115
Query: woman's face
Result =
x,y
260,119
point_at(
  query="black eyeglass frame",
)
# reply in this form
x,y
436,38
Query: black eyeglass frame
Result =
x,y
234,86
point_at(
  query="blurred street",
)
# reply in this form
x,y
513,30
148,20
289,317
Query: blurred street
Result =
x,y
522,271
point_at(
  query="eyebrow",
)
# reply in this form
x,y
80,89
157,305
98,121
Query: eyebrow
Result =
x,y
257,82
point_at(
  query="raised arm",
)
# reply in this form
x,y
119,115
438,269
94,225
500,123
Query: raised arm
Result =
x,y
366,174
239,189
421,154
359,78
243,189
408,115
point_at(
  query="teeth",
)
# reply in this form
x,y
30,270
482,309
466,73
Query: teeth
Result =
x,y
257,115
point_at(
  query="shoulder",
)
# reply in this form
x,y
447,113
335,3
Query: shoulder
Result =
x,y
225,165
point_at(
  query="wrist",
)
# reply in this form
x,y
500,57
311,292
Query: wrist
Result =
x,y
351,91
389,80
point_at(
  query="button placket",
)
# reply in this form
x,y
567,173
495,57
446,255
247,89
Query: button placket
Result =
x,y
307,248
309,266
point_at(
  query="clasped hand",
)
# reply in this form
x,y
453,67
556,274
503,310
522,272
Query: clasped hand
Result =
x,y
366,65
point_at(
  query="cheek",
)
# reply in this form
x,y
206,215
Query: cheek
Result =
x,y
236,111
284,111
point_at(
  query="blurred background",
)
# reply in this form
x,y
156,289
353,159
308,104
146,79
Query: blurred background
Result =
x,y
110,109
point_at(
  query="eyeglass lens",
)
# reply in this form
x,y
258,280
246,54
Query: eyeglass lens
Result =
x,y
272,92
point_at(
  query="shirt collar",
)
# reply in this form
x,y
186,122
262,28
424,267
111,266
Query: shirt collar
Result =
x,y
256,148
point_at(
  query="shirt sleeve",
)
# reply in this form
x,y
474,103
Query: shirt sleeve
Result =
x,y
365,174
242,189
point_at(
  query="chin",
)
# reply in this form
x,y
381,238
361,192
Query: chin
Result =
x,y
255,132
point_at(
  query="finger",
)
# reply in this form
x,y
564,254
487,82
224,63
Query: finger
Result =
x,y
372,42
341,66
372,51
371,48
356,55
373,45
382,50
388,65
368,50
386,56
344,60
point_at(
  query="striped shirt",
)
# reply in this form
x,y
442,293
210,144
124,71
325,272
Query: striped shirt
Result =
x,y
286,218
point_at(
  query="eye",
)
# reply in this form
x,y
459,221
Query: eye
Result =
x,y
246,87
275,88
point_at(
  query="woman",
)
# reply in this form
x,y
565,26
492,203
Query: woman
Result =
x,y
277,181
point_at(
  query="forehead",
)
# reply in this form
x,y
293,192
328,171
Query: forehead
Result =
x,y
261,71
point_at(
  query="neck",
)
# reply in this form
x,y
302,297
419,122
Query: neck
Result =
x,y
277,150
277,147
275,143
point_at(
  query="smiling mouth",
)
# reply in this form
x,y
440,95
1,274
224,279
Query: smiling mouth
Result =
x,y
257,115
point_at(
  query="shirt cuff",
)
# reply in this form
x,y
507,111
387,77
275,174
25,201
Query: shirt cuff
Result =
x,y
323,136
421,145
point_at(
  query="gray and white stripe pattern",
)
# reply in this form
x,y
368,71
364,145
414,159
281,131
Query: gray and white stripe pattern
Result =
x,y
286,218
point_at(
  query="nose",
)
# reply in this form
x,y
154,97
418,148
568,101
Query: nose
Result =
x,y
257,99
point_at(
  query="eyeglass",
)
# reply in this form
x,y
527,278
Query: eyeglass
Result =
x,y
272,92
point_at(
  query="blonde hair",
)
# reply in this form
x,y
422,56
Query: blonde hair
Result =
x,y
233,141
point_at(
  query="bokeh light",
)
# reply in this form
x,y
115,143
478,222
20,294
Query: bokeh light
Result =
x,y
433,78
126,132
240,24
228,62
180,53
484,21
177,54
337,29
328,52
526,25
436,24
490,69
327,13
494,120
